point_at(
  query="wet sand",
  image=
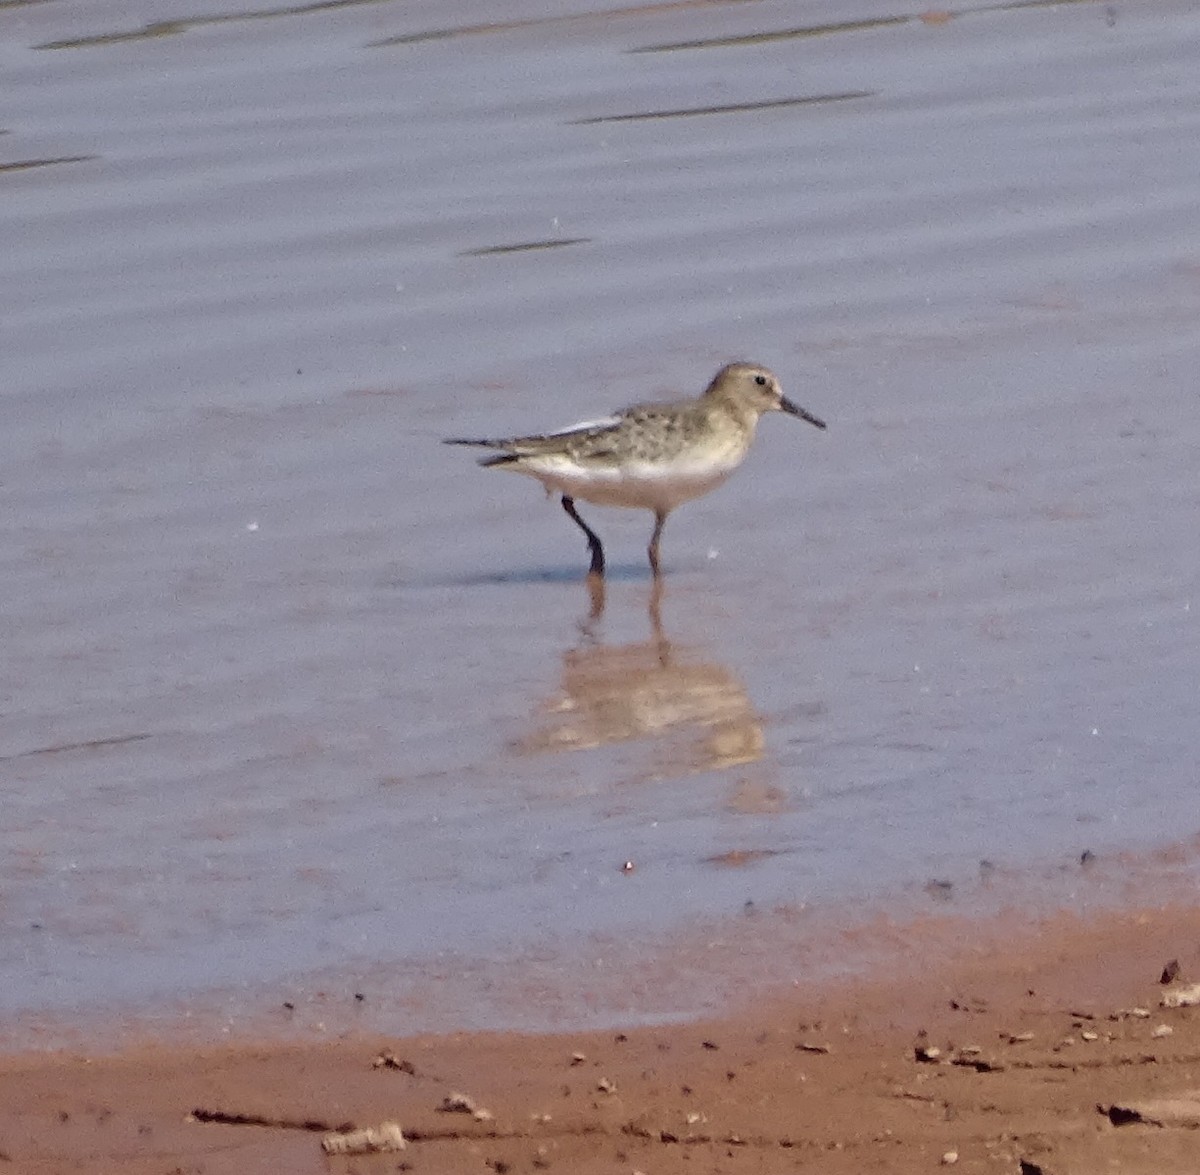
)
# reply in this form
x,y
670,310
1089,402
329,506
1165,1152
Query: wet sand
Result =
x,y
997,1048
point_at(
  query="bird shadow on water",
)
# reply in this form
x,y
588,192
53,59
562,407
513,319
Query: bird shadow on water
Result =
x,y
566,574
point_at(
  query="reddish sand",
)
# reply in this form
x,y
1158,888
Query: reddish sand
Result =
x,y
1027,1045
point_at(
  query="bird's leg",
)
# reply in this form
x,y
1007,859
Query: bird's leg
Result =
x,y
660,516
597,551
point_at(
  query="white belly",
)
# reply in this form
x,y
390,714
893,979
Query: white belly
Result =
x,y
638,486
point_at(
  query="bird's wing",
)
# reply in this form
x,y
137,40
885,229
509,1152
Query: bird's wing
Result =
x,y
588,435
604,424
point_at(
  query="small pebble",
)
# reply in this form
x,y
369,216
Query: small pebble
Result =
x,y
1187,996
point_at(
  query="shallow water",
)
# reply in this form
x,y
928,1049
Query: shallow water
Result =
x,y
289,686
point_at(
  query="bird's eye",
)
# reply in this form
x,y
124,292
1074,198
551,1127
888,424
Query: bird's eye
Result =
x,y
761,380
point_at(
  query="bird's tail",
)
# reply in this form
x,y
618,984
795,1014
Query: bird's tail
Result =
x,y
504,458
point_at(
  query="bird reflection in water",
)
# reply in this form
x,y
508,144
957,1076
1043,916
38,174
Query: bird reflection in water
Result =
x,y
697,710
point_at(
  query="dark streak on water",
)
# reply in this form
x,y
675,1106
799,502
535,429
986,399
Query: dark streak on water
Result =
x,y
30,164
508,26
170,28
164,28
524,247
820,30
836,28
91,744
730,108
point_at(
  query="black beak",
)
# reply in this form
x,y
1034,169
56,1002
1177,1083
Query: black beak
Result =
x,y
785,405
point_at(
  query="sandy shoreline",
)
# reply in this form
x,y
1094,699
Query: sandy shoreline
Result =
x,y
1030,1035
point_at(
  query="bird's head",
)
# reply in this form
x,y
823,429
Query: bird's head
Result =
x,y
755,389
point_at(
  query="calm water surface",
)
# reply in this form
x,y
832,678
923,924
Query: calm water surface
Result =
x,y
290,689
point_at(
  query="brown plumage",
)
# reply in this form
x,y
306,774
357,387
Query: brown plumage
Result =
x,y
650,456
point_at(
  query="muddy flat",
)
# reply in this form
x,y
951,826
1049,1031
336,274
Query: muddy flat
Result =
x,y
1035,1051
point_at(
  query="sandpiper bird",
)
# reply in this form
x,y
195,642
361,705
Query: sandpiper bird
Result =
x,y
651,456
